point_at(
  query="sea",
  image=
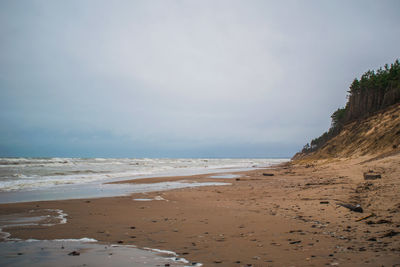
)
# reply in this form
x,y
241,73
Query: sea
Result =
x,y
37,179
40,179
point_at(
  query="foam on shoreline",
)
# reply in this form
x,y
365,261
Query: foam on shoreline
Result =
x,y
84,252
25,174
15,251
18,220
97,191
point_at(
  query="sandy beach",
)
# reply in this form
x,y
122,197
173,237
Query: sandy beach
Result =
x,y
285,216
199,133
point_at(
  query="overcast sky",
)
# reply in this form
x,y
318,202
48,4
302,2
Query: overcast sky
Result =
x,y
182,78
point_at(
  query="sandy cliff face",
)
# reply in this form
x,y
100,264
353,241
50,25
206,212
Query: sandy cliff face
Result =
x,y
377,135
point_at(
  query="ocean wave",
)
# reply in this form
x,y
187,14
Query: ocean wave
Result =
x,y
33,173
35,182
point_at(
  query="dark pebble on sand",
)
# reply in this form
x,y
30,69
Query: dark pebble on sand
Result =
x,y
74,253
268,174
217,261
120,242
391,233
133,227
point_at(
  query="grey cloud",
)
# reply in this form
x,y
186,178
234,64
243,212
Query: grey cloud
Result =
x,y
182,77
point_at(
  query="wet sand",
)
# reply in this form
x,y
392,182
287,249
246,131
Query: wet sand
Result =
x,y
66,253
288,219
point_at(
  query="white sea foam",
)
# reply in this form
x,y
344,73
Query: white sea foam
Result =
x,y
48,253
168,252
83,239
23,174
159,198
62,216
124,255
18,220
34,181
175,256
183,260
150,199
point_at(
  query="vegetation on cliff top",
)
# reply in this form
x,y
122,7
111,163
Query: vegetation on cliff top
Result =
x,y
374,91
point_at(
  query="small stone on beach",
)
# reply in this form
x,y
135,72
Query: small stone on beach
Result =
x,y
371,175
391,233
74,253
268,174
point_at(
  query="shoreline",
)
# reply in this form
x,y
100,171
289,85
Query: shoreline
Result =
x,y
280,220
32,182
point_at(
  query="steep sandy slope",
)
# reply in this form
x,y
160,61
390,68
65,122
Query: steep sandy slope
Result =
x,y
378,135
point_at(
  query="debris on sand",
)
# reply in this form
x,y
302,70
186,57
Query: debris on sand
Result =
x,y
268,174
371,175
355,208
74,253
391,233
365,217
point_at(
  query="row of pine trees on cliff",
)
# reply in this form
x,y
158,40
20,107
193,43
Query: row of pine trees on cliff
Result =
x,y
374,91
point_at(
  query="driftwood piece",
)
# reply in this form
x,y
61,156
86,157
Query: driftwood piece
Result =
x,y
355,208
365,217
268,174
74,253
372,176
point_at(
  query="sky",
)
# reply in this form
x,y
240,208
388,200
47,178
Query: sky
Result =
x,y
169,78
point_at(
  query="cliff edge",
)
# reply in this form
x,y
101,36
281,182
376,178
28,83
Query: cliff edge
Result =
x,y
376,135
369,124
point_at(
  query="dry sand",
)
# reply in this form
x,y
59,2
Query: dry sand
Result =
x,y
288,219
